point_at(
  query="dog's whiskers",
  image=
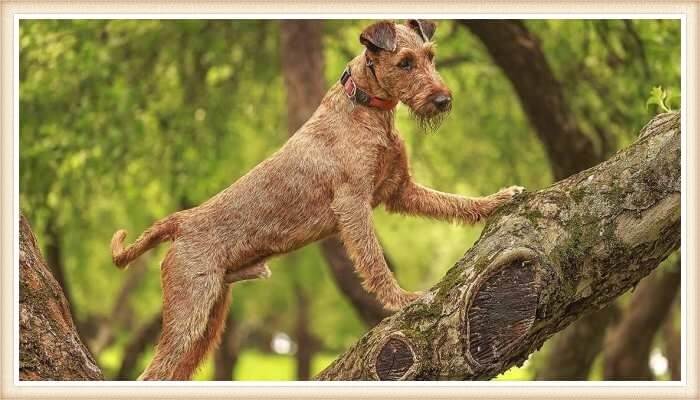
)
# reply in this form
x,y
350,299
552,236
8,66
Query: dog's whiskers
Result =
x,y
429,123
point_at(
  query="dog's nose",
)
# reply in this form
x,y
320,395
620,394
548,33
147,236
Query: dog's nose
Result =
x,y
442,102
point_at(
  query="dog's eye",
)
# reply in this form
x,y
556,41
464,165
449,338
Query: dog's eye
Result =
x,y
405,64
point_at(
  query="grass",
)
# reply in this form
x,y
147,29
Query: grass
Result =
x,y
254,365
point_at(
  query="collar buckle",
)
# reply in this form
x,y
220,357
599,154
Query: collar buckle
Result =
x,y
350,88
359,96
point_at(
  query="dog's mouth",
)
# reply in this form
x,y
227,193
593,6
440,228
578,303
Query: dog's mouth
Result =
x,y
430,118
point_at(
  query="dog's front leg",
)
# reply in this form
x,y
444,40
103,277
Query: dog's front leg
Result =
x,y
356,230
414,199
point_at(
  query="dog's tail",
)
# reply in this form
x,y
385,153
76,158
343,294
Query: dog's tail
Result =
x,y
165,229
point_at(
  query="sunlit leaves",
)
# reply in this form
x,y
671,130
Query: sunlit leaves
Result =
x,y
659,97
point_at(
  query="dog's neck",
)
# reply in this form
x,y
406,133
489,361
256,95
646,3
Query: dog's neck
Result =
x,y
337,99
365,79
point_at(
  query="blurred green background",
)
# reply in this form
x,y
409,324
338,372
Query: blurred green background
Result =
x,y
123,122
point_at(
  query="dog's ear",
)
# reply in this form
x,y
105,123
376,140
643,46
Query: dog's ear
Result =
x,y
379,36
423,28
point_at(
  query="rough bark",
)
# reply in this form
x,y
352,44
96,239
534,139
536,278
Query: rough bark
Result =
x,y
629,345
49,346
540,263
54,260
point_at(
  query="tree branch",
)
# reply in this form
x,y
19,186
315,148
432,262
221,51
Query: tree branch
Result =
x,y
133,350
517,51
49,346
541,262
366,305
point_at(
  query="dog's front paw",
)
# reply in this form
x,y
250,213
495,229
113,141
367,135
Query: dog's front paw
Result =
x,y
512,190
401,300
508,193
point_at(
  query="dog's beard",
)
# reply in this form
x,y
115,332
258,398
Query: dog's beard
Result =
x,y
429,123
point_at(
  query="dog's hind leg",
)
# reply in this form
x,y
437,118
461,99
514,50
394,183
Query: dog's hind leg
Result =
x,y
191,290
207,342
217,318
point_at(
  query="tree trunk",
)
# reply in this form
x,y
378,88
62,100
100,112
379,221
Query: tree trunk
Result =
x,y
629,345
54,260
517,52
226,355
49,346
302,68
541,262
133,350
304,337
573,350
301,50
672,346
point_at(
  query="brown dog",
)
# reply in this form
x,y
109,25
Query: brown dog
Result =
x,y
344,161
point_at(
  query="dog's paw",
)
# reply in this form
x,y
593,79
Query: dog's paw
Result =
x,y
508,193
512,190
402,300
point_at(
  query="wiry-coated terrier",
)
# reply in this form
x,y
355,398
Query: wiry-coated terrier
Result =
x,y
344,161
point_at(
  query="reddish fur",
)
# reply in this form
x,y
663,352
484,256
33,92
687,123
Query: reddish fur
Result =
x,y
344,161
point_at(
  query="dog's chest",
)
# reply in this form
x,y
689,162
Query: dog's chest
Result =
x,y
384,172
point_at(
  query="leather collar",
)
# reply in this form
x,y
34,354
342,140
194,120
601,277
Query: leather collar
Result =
x,y
359,96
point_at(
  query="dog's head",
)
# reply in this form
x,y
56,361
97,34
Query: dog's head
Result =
x,y
403,59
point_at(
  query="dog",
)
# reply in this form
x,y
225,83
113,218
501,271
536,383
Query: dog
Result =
x,y
347,159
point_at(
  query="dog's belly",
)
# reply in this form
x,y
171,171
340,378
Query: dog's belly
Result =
x,y
277,209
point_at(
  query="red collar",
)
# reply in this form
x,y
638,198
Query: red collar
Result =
x,y
359,96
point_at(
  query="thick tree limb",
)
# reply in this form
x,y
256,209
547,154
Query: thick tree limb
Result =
x,y
540,263
49,346
366,305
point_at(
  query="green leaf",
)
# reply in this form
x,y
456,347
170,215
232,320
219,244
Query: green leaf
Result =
x,y
657,96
